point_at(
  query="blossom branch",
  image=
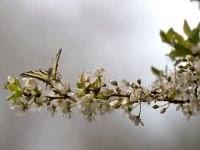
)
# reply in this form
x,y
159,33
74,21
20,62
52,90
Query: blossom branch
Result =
x,y
94,95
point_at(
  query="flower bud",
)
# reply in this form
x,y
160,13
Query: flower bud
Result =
x,y
181,71
180,66
132,85
169,78
113,82
155,106
163,110
139,81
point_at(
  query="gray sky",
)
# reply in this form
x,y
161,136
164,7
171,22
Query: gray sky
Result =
x,y
120,35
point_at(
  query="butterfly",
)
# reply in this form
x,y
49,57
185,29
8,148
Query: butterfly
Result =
x,y
45,75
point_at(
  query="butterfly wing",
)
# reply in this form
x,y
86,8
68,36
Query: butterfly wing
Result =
x,y
42,75
54,68
37,74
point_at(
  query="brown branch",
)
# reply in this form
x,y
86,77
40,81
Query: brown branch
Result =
x,y
160,100
128,96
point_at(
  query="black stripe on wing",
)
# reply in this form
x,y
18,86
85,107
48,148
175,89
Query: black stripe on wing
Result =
x,y
37,74
55,66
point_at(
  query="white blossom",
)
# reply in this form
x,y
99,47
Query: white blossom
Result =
x,y
105,91
30,83
115,104
197,64
11,79
136,120
99,72
133,97
103,107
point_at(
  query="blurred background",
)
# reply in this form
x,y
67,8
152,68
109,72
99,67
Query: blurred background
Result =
x,y
119,35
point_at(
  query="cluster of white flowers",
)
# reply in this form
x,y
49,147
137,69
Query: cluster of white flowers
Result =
x,y
93,95
28,97
181,87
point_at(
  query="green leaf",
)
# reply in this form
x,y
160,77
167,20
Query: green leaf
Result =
x,y
80,93
17,82
164,37
56,91
91,86
180,51
177,62
179,38
97,82
156,72
173,95
170,35
16,95
79,85
198,26
186,28
194,36
100,96
13,87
